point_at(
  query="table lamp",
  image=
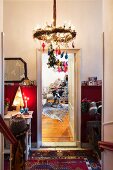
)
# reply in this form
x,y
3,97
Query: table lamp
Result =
x,y
18,100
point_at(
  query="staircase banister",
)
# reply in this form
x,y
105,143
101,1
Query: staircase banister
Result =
x,y
105,145
7,132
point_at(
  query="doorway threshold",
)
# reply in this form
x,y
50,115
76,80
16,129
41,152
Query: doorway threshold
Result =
x,y
59,144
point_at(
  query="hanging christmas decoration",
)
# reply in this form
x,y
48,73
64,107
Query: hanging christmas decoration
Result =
x,y
66,56
43,46
59,36
52,58
56,51
59,69
73,45
62,54
59,51
54,62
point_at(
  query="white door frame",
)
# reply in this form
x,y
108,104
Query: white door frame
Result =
x,y
2,98
76,53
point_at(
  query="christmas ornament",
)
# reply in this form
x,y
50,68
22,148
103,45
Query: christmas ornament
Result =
x,y
56,51
73,45
59,69
43,46
53,61
59,51
62,54
66,56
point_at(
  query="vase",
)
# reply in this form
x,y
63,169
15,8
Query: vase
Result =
x,y
6,110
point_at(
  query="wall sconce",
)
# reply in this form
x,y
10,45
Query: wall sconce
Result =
x,y
18,100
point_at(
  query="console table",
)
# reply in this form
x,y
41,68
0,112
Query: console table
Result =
x,y
29,91
28,117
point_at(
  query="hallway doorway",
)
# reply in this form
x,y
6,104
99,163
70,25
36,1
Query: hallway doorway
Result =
x,y
59,103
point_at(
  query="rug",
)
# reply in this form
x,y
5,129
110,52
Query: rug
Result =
x,y
55,111
59,164
63,160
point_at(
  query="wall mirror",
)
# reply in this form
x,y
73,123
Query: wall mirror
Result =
x,y
15,70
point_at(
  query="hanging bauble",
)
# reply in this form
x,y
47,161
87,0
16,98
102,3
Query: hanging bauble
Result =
x,y
56,51
73,45
59,51
58,62
62,54
59,69
66,56
43,46
48,52
61,63
65,69
64,64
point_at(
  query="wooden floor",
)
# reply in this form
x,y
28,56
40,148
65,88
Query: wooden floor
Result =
x,y
55,130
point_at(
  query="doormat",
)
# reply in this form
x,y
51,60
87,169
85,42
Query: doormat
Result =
x,y
63,160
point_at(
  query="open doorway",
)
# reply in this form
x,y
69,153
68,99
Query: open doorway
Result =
x,y
57,123
55,109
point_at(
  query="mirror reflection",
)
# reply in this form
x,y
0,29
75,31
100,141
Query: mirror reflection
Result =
x,y
15,70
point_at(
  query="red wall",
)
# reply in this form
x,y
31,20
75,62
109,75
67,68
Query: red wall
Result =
x,y
31,92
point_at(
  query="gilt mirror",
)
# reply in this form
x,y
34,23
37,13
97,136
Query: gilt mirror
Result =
x,y
15,70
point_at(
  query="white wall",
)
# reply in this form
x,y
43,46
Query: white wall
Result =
x,y
1,30
21,16
108,80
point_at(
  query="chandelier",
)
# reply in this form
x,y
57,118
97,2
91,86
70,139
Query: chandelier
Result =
x,y
56,36
52,33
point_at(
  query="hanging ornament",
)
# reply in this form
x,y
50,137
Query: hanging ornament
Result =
x,y
64,64
73,45
58,62
62,54
59,51
59,69
56,51
43,46
53,61
48,51
66,56
65,69
61,63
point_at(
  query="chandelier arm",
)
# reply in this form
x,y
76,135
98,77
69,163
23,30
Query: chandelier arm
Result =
x,y
54,13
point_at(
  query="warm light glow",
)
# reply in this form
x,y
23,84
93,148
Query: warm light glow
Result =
x,y
18,100
51,32
26,100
